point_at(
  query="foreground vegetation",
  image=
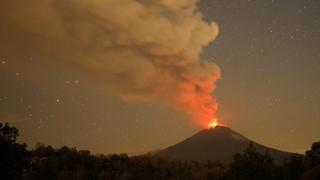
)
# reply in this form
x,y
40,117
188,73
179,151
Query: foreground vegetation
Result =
x,y
45,162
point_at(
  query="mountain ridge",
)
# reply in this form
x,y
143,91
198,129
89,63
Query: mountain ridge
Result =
x,y
217,144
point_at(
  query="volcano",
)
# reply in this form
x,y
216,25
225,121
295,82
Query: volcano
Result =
x,y
217,144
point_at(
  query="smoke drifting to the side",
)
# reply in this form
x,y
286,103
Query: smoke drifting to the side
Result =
x,y
136,49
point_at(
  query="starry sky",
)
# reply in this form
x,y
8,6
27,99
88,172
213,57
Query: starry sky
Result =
x,y
268,53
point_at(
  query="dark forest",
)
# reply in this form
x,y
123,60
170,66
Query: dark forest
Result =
x,y
46,162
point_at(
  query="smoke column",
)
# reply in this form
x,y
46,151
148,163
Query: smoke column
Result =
x,y
141,50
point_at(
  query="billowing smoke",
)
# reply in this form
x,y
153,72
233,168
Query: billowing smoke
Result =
x,y
142,50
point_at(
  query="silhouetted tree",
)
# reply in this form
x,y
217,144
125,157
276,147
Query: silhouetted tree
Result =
x,y
251,165
45,162
293,168
12,155
313,162
313,155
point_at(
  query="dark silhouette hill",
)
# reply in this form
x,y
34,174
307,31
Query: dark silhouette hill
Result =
x,y
216,144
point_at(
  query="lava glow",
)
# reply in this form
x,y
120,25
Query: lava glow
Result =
x,y
213,123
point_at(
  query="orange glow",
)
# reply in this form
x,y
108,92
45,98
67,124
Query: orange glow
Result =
x,y
213,123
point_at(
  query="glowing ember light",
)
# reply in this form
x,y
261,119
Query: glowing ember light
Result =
x,y
213,124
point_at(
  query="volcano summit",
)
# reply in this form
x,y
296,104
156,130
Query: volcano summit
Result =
x,y
216,144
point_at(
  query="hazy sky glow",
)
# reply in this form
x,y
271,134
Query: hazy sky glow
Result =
x,y
268,53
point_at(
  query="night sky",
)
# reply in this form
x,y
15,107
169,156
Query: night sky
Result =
x,y
268,52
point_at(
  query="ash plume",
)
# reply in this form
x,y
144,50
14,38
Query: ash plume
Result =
x,y
141,50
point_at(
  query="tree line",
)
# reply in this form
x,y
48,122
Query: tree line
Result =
x,y
48,163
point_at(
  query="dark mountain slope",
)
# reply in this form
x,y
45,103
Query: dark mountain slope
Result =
x,y
216,144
